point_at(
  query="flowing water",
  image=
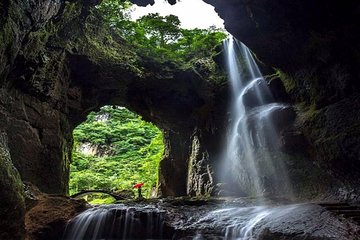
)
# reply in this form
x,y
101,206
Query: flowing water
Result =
x,y
248,164
116,221
239,222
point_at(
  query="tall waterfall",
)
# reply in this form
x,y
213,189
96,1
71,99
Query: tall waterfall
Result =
x,y
249,166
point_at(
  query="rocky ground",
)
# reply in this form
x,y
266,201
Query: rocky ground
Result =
x,y
217,218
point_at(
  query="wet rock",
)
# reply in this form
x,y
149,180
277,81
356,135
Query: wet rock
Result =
x,y
173,177
257,94
42,11
125,194
287,222
333,134
315,59
12,206
119,222
185,218
200,180
266,122
293,142
278,90
307,222
47,215
282,117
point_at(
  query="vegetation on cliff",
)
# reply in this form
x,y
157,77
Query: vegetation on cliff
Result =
x,y
114,148
127,149
160,37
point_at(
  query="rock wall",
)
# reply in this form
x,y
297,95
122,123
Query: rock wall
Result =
x,y
34,94
62,64
314,47
12,206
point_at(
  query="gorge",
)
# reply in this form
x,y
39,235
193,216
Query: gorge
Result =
x,y
59,62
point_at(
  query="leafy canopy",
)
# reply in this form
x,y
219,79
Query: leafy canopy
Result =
x,y
126,150
158,36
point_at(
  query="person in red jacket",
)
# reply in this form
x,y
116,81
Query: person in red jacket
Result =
x,y
138,186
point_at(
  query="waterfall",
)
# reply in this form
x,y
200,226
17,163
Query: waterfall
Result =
x,y
116,222
239,222
248,164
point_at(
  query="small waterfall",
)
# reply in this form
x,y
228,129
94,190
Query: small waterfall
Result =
x,y
248,163
239,222
116,222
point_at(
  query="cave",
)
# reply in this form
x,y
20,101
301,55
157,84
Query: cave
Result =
x,y
113,150
59,63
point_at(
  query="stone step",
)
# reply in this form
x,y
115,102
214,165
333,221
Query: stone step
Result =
x,y
339,208
330,204
348,212
344,209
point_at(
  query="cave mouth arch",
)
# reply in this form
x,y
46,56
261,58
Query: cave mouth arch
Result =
x,y
115,148
191,13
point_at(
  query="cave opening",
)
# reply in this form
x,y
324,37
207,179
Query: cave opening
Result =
x,y
191,13
114,149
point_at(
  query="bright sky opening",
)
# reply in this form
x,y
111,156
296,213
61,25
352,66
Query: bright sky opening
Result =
x,y
192,13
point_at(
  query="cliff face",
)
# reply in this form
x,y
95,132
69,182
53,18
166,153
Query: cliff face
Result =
x,y
315,49
58,63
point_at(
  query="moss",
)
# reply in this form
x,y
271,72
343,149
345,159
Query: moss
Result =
x,y
71,11
12,204
287,80
307,180
36,41
6,35
99,53
8,47
308,112
100,44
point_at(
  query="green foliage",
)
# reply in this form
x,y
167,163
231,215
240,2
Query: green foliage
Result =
x,y
128,151
160,37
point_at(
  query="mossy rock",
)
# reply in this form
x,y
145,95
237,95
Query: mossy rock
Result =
x,y
12,204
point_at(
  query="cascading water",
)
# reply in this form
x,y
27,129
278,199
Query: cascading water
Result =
x,y
239,222
117,222
247,164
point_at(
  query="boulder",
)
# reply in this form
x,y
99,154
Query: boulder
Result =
x,y
47,215
257,94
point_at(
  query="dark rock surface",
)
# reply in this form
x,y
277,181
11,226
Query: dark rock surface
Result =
x,y
298,221
257,94
186,218
314,46
70,66
47,215
12,204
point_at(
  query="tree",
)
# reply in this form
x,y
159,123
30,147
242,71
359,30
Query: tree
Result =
x,y
160,31
160,37
128,150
